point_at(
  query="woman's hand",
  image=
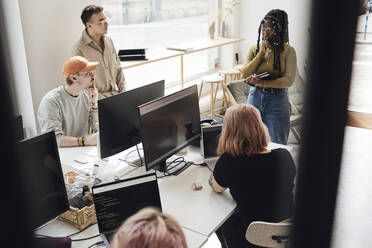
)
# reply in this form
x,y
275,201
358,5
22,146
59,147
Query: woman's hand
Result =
x,y
253,79
264,45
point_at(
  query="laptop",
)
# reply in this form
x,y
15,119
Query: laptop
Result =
x,y
209,142
116,201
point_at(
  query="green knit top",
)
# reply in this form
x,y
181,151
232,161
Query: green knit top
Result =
x,y
263,62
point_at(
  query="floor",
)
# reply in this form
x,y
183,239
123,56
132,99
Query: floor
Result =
x,y
353,224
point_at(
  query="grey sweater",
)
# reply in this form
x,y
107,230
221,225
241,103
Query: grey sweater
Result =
x,y
65,114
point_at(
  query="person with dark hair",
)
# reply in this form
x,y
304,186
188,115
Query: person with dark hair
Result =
x,y
95,45
70,110
275,57
149,228
260,180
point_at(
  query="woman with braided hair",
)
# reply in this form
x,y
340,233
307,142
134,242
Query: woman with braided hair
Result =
x,y
276,61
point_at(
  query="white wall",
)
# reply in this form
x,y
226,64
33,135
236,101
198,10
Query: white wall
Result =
x,y
18,61
252,12
50,30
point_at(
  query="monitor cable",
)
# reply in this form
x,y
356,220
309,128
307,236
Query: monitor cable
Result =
x,y
173,164
132,163
99,243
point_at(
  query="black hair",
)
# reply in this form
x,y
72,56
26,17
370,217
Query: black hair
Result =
x,y
88,12
278,18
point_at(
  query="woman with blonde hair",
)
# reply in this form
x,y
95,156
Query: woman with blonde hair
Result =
x,y
149,228
260,180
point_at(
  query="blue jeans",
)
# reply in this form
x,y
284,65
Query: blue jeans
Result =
x,y
275,112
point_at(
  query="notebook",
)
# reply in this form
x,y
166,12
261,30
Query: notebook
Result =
x,y
209,143
116,201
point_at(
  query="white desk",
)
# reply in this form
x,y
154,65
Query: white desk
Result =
x,y
199,213
203,210
108,168
58,228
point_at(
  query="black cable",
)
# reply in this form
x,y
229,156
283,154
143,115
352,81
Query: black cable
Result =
x,y
72,240
43,236
131,163
77,240
180,160
177,162
201,164
96,244
139,154
70,235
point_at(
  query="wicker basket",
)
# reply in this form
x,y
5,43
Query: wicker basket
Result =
x,y
80,218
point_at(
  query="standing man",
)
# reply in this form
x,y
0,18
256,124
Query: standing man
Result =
x,y
71,109
94,45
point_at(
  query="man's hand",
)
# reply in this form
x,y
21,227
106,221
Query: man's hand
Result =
x,y
253,79
91,140
93,94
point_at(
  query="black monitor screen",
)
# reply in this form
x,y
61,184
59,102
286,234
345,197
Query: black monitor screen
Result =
x,y
115,202
210,137
169,124
118,118
42,178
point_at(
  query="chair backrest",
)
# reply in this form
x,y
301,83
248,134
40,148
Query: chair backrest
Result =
x,y
268,234
296,93
239,90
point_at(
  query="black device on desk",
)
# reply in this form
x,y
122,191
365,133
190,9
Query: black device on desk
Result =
x,y
42,177
116,201
132,54
118,118
209,141
169,124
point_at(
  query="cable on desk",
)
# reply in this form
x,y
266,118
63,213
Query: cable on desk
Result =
x,y
96,244
201,164
77,240
131,163
43,236
177,162
70,235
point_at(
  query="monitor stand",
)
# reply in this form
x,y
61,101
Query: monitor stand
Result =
x,y
161,166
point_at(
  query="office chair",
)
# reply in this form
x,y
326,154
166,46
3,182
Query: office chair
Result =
x,y
268,234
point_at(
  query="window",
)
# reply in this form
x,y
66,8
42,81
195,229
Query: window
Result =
x,y
154,24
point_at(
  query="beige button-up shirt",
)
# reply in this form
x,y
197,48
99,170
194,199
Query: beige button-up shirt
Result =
x,y
109,75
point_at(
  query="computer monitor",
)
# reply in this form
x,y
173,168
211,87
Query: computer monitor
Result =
x,y
169,124
118,118
42,177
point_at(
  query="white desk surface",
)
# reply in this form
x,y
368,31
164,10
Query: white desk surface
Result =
x,y
108,168
58,228
199,213
202,211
